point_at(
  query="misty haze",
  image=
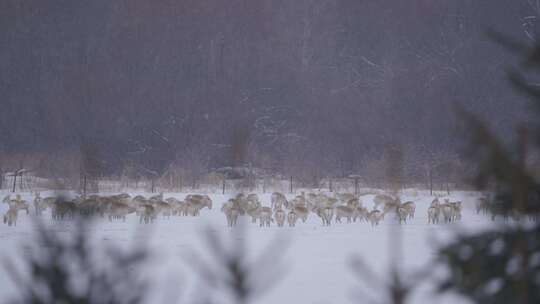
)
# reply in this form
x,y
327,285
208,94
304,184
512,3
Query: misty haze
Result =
x,y
270,151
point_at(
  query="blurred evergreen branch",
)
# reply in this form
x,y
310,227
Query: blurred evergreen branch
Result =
x,y
70,270
501,265
230,270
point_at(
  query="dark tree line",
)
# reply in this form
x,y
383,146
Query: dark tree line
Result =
x,y
313,83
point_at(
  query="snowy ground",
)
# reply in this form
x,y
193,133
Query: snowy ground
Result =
x,y
317,258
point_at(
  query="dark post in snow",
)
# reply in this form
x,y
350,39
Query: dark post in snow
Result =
x,y
82,180
14,181
430,182
84,186
291,185
223,185
330,184
15,174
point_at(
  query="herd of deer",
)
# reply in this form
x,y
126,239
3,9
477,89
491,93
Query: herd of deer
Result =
x,y
281,210
450,211
114,207
327,208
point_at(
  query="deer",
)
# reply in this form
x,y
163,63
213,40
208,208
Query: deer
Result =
x,y
255,213
38,206
19,204
291,218
482,205
241,203
324,202
253,200
410,208
10,217
280,216
302,212
435,202
137,202
164,208
344,198
198,202
147,213
156,198
265,217
232,216
175,205
374,217
456,207
298,201
172,201
312,200
344,211
119,211
89,206
402,214
360,213
231,211
278,201
447,211
180,208
62,209
326,215
391,206
354,203
433,214
383,200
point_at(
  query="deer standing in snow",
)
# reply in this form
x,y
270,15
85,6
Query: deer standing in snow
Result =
x,y
344,211
326,215
374,217
291,218
280,216
278,201
410,208
10,217
265,217
433,214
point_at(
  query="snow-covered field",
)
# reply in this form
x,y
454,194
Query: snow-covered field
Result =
x,y
317,258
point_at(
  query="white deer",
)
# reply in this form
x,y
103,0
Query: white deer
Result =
x,y
10,217
291,218
278,201
265,217
433,214
280,216
344,211
374,217
326,215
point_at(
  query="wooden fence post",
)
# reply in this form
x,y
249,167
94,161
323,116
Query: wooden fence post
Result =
x,y
14,181
223,188
430,183
291,185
